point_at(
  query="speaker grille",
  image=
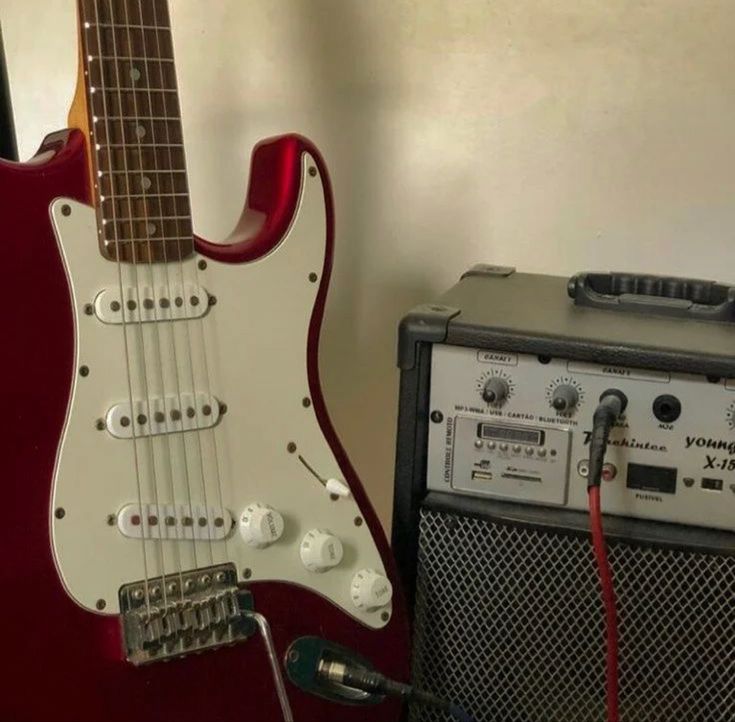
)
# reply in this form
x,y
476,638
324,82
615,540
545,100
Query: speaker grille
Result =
x,y
509,623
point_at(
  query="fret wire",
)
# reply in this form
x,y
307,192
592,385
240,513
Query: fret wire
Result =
x,y
165,239
153,218
113,58
125,27
134,90
143,171
141,195
133,118
135,146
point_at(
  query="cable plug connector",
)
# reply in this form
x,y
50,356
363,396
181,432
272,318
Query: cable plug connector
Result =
x,y
611,406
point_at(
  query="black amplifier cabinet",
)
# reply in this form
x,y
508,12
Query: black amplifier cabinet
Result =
x,y
499,380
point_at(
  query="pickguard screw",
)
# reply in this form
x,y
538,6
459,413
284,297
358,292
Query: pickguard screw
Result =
x,y
247,573
84,370
202,265
99,424
66,210
101,604
110,520
88,309
312,171
213,300
437,417
60,513
358,521
334,497
385,616
223,408
313,277
306,402
291,447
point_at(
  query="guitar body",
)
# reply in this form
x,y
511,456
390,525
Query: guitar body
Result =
x,y
65,479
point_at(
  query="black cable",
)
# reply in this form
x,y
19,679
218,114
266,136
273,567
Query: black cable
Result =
x,y
612,404
373,682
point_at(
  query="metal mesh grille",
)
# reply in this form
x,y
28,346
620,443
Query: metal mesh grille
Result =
x,y
509,623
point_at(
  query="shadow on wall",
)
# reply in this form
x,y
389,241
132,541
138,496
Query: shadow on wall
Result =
x,y
369,294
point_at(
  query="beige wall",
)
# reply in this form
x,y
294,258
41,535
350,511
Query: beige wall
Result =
x,y
555,135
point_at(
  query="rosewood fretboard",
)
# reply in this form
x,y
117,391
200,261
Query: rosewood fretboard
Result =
x,y
135,130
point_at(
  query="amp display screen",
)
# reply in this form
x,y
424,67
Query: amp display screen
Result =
x,y
514,434
652,478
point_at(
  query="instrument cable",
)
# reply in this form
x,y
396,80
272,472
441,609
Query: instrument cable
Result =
x,y
612,404
375,683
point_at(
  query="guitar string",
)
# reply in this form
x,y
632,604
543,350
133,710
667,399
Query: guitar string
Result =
x,y
163,523
139,325
187,323
108,137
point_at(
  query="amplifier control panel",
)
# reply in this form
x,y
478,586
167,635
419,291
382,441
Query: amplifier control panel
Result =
x,y
517,427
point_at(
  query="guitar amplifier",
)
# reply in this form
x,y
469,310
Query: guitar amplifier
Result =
x,y
499,381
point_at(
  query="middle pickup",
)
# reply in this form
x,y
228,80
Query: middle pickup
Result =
x,y
163,415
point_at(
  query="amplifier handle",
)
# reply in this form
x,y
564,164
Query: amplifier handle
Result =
x,y
663,295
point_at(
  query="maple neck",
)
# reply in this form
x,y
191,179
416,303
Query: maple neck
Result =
x,y
136,139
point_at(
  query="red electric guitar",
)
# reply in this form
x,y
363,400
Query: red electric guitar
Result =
x,y
172,483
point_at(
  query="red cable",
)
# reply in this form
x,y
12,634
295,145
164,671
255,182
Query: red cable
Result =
x,y
608,596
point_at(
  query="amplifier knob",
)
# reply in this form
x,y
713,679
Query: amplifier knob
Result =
x,y
260,525
565,397
495,391
370,590
320,550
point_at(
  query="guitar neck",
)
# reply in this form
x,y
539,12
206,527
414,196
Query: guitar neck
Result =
x,y
135,133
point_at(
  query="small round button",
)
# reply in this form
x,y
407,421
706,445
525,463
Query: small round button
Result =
x,y
541,453
491,445
529,451
260,525
504,447
320,550
478,443
517,448
370,590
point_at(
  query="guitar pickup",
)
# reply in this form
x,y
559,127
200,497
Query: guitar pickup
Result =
x,y
175,522
170,302
163,415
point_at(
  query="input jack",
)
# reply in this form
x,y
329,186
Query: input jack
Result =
x,y
583,468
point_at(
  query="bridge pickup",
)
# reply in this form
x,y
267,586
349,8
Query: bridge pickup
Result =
x,y
144,304
167,415
184,613
174,522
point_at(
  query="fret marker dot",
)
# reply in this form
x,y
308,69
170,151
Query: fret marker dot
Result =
x,y
140,131
152,228
134,74
146,182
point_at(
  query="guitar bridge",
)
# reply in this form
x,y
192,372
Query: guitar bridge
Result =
x,y
183,613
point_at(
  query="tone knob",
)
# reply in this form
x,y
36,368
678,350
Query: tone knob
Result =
x,y
260,525
495,391
320,550
565,397
370,590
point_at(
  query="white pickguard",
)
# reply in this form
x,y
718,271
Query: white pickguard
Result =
x,y
255,341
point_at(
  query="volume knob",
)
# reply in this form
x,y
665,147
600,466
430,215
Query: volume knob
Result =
x,y
320,550
495,391
260,525
370,590
565,397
